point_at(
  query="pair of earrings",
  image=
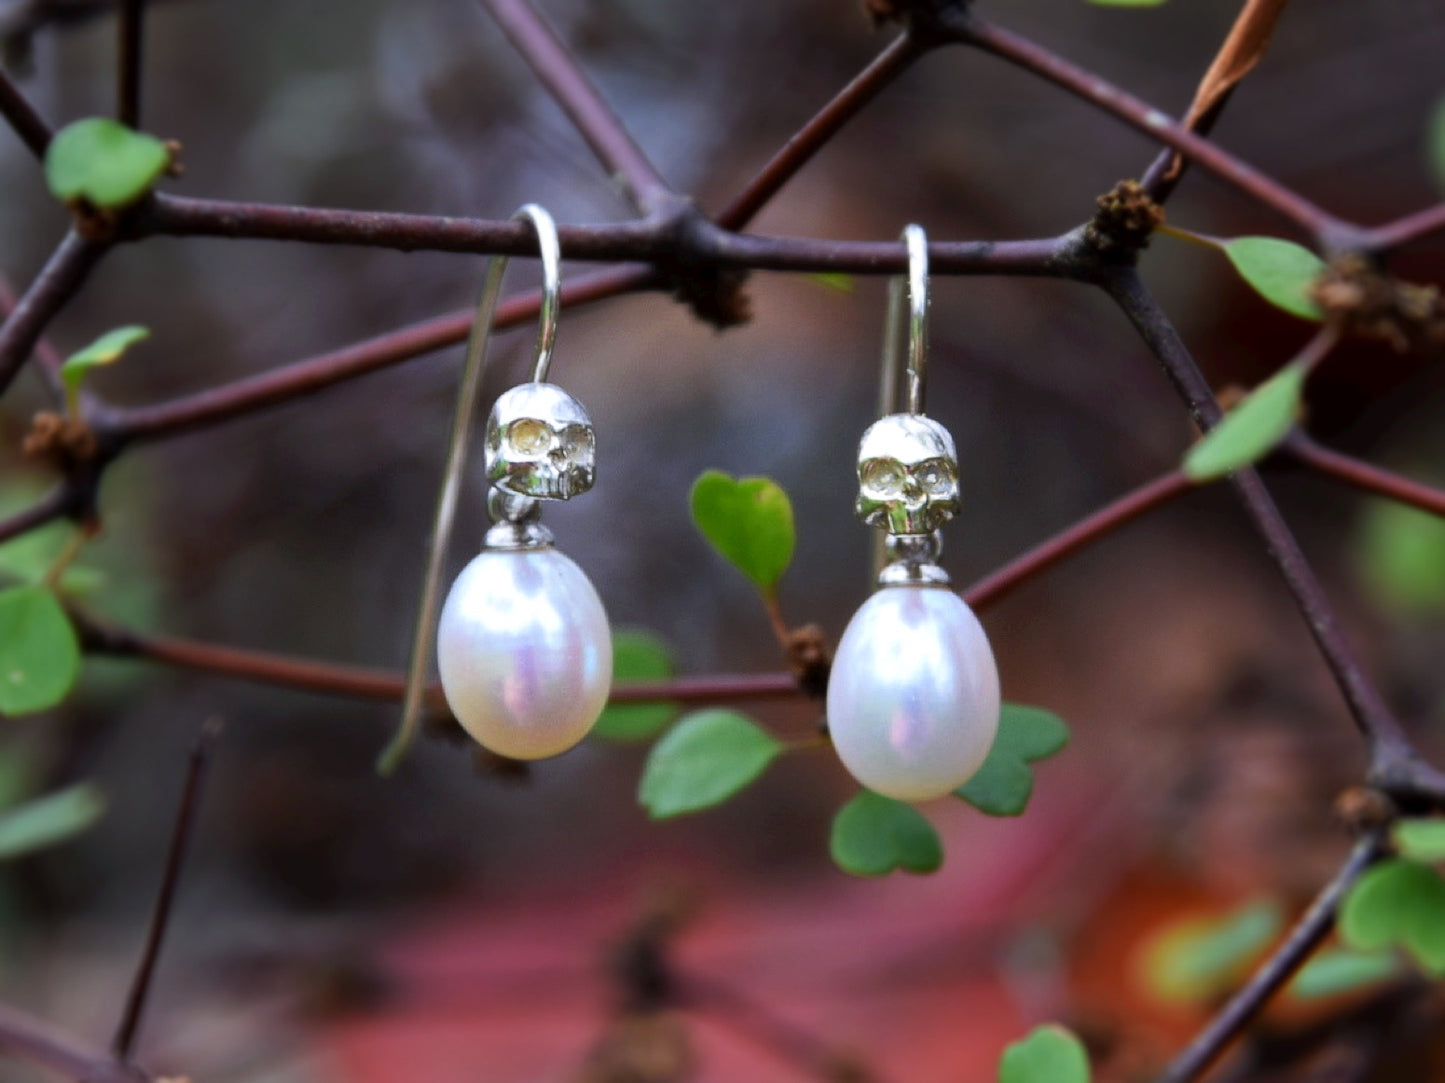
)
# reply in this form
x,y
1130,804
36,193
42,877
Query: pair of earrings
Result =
x,y
523,643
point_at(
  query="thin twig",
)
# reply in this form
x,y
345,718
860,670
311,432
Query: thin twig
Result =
x,y
123,1044
1403,231
1364,476
1388,743
15,107
59,280
307,377
131,52
49,507
1308,933
36,1042
1106,521
561,73
1152,122
812,136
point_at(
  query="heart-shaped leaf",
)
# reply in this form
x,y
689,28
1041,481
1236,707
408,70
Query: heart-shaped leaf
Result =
x,y
1050,1054
104,163
39,654
873,835
1252,429
1003,785
749,521
107,349
1337,971
1400,903
702,761
1281,272
1196,959
49,820
1420,840
637,656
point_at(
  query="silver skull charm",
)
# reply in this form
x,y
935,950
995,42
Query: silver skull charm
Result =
x,y
907,475
540,443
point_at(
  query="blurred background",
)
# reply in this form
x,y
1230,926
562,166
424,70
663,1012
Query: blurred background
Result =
x,y
449,924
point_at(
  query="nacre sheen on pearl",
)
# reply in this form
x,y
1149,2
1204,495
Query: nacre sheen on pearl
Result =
x,y
525,652
913,699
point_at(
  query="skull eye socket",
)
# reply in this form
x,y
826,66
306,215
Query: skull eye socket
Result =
x,y
578,442
528,435
936,477
882,476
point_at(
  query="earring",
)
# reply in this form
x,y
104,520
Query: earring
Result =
x,y
523,643
913,698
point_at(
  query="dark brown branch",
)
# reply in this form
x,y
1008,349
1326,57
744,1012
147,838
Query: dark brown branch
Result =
x,y
558,69
1388,745
1153,123
1363,475
1307,935
315,374
22,117
35,1042
52,505
58,281
123,1044
1403,231
799,150
384,686
131,33
1066,543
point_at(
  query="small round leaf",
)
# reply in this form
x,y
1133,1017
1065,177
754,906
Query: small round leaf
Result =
x,y
1338,971
1050,1054
1252,429
749,521
1402,903
1281,272
702,761
637,656
104,163
1420,840
1003,785
39,654
49,820
873,835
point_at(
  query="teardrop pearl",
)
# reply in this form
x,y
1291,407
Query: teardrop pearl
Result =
x,y
913,699
525,652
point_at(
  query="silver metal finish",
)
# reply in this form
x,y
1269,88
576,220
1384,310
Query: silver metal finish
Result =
x,y
913,561
907,475
540,444
473,367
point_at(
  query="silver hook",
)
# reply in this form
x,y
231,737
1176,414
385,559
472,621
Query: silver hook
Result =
x,y
473,368
916,328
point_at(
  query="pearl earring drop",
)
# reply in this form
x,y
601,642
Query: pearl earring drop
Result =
x,y
523,644
913,698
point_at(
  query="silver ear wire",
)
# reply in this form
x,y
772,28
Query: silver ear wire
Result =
x,y
473,368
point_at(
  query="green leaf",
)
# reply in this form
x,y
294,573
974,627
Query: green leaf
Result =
x,y
1420,840
49,820
39,654
1004,783
1252,429
1281,272
110,347
873,835
840,283
1339,970
702,761
1398,902
1050,1054
1195,960
1435,144
637,656
1402,555
749,521
104,163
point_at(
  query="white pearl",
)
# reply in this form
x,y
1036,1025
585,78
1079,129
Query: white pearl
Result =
x,y
525,652
913,699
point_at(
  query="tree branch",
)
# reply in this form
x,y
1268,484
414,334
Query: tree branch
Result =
x,y
1307,935
559,71
52,505
22,117
59,280
973,30
1403,231
1363,475
35,1042
123,1044
1388,744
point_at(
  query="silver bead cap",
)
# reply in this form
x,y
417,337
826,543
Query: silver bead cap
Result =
x,y
540,443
